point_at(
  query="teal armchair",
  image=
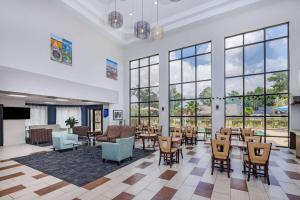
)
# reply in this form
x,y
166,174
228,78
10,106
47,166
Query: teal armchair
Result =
x,y
63,140
118,151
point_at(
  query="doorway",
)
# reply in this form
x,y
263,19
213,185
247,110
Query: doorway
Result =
x,y
96,119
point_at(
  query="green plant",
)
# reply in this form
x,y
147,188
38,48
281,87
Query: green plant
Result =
x,y
71,121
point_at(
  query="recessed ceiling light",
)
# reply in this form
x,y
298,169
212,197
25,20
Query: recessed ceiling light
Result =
x,y
48,102
17,95
155,2
58,99
130,14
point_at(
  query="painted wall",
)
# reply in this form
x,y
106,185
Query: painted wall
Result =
x,y
265,14
25,45
13,130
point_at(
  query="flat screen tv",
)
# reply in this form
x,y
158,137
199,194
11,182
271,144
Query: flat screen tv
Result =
x,y
16,113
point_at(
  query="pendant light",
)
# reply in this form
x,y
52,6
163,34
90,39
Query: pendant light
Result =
x,y
115,19
157,31
142,28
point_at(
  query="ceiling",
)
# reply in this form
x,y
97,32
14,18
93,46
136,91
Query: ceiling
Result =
x,y
49,100
172,15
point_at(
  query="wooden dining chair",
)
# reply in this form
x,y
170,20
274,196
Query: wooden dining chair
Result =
x,y
226,131
223,137
139,131
246,132
166,150
190,136
256,161
178,145
220,155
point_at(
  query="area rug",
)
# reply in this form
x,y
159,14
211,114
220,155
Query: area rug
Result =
x,y
78,167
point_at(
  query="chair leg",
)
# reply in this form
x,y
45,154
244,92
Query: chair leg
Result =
x,y
181,154
212,166
228,168
267,174
159,159
249,170
171,159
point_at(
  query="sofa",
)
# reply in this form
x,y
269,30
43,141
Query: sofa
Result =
x,y
40,135
114,132
53,127
118,151
63,140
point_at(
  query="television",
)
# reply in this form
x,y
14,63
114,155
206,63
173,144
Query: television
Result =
x,y
16,113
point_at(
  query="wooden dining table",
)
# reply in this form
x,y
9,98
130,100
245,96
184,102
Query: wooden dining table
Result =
x,y
240,144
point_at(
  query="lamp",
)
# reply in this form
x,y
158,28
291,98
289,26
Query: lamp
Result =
x,y
142,28
115,19
157,31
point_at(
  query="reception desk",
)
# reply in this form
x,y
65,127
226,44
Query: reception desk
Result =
x,y
297,133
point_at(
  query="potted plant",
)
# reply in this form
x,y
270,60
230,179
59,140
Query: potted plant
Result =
x,y
71,121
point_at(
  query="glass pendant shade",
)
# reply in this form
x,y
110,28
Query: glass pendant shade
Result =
x,y
142,30
157,32
115,19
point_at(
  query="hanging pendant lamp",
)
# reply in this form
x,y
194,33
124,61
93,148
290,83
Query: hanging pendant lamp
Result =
x,y
142,28
115,19
157,31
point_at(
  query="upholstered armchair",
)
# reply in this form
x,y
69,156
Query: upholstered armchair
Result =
x,y
63,140
118,151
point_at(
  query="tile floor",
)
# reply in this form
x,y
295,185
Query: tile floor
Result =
x,y
144,179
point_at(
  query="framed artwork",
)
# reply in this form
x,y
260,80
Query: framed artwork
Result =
x,y
117,114
111,69
61,50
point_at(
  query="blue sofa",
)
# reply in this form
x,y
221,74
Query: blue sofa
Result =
x,y
118,151
63,140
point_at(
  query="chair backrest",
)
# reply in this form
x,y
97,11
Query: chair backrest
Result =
x,y
220,148
139,127
177,135
165,143
223,137
189,131
114,131
127,131
246,132
225,131
262,158
256,139
125,142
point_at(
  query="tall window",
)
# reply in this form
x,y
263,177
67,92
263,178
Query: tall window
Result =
x,y
256,82
144,91
63,113
190,86
38,115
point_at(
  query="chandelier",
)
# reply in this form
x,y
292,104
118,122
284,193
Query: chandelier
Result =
x,y
142,28
157,31
115,19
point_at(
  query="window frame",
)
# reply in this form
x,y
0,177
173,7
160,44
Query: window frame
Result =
x,y
196,117
265,73
139,88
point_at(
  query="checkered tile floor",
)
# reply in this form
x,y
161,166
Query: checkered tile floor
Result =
x,y
144,179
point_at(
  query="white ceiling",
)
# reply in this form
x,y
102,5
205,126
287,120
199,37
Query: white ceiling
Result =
x,y
172,15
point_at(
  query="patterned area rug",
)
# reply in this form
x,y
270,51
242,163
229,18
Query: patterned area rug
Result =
x,y
78,167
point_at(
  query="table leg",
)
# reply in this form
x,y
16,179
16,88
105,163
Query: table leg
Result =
x,y
143,139
154,140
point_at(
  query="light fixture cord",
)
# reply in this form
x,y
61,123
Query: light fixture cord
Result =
x,y
142,10
157,13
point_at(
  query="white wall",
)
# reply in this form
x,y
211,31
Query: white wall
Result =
x,y
25,45
13,130
265,14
